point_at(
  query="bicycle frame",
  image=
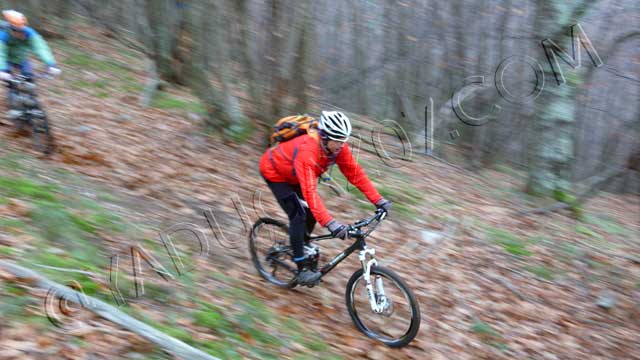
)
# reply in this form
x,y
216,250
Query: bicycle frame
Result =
x,y
15,90
360,244
356,232
29,112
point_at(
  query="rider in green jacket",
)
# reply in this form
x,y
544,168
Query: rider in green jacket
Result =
x,y
17,41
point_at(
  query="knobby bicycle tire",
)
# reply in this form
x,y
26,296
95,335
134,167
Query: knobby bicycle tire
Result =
x,y
255,257
415,308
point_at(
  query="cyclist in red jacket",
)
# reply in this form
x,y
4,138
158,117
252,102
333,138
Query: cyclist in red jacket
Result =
x,y
291,170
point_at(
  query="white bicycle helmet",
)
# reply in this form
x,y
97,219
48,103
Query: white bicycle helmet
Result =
x,y
335,125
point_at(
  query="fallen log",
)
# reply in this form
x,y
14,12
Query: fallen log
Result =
x,y
108,312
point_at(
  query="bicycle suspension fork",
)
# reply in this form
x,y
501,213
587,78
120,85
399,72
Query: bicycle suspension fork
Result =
x,y
379,289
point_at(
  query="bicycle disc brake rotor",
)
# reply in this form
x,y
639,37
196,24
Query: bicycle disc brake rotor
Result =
x,y
386,304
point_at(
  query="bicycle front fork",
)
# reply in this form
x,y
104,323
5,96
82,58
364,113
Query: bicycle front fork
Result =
x,y
377,298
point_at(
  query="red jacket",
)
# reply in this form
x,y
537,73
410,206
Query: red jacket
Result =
x,y
301,161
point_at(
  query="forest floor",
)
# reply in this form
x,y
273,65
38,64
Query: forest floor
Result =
x,y
491,285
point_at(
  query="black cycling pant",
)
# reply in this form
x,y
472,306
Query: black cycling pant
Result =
x,y
301,221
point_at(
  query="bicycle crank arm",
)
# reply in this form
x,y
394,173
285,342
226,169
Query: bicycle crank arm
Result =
x,y
283,264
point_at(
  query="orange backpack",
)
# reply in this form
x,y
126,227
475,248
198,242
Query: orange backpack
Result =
x,y
290,127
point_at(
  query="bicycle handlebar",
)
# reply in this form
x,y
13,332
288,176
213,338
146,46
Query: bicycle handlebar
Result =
x,y
379,215
36,75
353,229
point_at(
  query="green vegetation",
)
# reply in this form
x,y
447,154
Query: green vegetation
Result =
x,y
510,242
170,327
587,231
54,222
15,305
89,62
62,225
163,100
606,223
569,249
103,66
541,271
100,87
82,224
177,332
489,335
498,345
404,197
107,221
11,162
447,204
84,84
45,257
6,250
484,329
509,170
211,317
21,187
241,132
57,219
244,327
570,200
87,285
12,225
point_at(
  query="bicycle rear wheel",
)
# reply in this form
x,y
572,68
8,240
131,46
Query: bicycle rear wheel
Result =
x,y
271,253
398,323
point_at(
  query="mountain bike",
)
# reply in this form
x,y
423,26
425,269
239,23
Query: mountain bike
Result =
x,y
381,305
25,111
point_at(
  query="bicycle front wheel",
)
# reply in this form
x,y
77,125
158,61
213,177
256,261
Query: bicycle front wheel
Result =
x,y
397,320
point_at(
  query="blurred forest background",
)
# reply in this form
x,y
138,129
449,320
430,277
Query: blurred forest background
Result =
x,y
252,62
520,237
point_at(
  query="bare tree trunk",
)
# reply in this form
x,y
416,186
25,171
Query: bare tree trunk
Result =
x,y
387,59
249,64
479,133
360,45
497,140
549,172
166,22
304,68
223,110
284,51
276,83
